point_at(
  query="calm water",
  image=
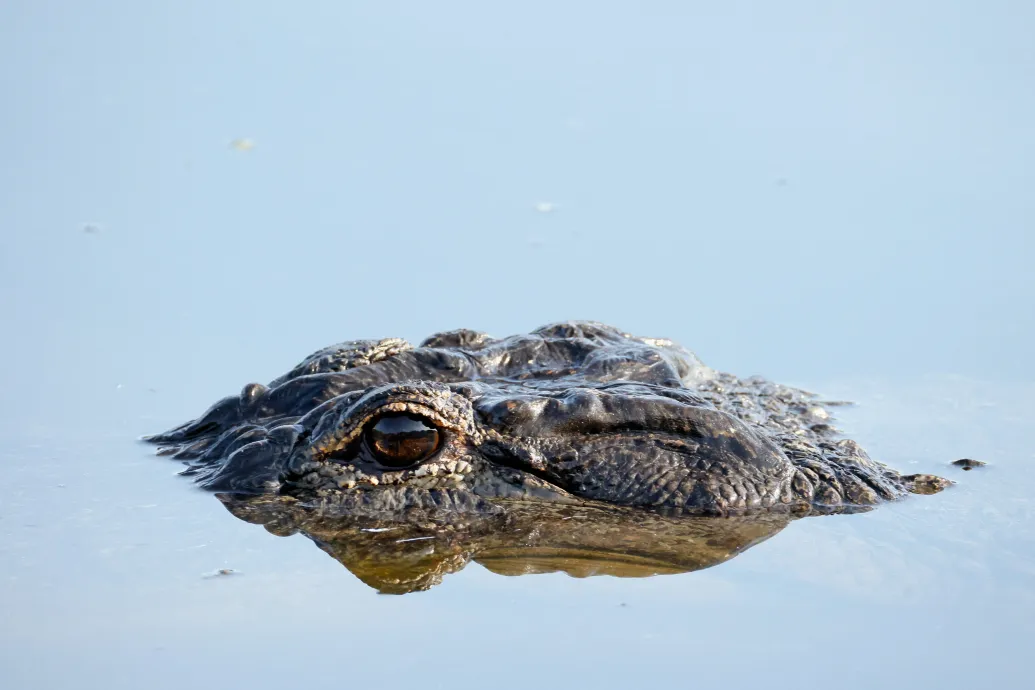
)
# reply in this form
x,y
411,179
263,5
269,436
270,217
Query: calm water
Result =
x,y
195,197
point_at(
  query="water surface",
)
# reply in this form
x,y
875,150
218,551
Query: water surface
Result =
x,y
193,197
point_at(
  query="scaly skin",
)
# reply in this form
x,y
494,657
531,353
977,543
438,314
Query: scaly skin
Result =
x,y
575,414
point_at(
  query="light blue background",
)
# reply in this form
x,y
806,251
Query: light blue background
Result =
x,y
833,194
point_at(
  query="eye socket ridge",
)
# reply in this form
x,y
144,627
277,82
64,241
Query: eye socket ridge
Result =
x,y
398,440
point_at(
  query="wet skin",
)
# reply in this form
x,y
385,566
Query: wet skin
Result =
x,y
576,413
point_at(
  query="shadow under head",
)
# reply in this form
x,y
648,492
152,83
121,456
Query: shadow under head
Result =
x,y
403,556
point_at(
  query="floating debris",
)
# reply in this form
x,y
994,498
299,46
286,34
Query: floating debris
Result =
x,y
242,144
222,572
92,229
545,206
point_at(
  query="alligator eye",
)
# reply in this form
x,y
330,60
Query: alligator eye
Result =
x,y
401,440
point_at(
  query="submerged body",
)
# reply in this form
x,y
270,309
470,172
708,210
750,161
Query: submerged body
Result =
x,y
576,413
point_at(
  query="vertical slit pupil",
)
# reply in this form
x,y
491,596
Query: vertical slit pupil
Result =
x,y
400,440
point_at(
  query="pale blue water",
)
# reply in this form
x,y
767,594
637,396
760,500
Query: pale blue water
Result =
x,y
835,197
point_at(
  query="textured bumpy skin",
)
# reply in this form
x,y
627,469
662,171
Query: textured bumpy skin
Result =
x,y
574,413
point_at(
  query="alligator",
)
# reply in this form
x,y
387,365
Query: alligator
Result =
x,y
575,413
576,448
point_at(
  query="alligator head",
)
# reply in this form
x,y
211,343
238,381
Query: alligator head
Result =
x,y
577,414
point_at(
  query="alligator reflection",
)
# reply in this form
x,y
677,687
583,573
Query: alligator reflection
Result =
x,y
400,557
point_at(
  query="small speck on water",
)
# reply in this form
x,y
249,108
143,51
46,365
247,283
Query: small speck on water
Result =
x,y
242,144
222,572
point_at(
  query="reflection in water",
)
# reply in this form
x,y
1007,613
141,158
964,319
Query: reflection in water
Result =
x,y
400,557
